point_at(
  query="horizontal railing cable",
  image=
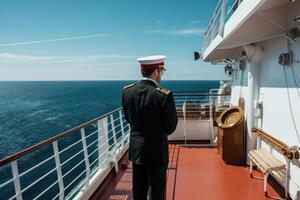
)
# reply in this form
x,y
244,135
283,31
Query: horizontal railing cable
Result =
x,y
34,167
79,186
84,171
67,173
50,140
6,183
70,146
46,190
56,196
63,163
39,179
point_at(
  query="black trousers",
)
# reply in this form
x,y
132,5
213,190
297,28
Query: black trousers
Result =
x,y
148,178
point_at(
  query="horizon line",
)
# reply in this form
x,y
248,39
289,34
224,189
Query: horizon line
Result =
x,y
109,80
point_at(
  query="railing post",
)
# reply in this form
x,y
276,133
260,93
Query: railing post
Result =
x,y
287,178
113,131
211,124
122,127
58,171
184,120
211,32
17,184
222,18
103,146
214,109
86,157
259,142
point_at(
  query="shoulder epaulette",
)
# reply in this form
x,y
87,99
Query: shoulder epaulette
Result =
x,y
129,86
164,91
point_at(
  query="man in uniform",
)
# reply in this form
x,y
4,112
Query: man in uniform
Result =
x,y
151,113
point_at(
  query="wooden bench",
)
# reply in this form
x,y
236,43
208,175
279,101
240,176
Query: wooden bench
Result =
x,y
268,163
265,162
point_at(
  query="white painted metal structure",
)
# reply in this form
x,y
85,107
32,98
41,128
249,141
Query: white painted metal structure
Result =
x,y
201,126
256,32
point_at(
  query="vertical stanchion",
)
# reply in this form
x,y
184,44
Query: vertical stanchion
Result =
x,y
122,127
259,142
265,183
222,18
100,144
17,184
86,158
184,120
287,178
58,171
211,33
210,120
214,117
103,146
113,132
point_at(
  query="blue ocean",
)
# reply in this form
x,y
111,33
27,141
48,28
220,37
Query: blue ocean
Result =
x,y
31,112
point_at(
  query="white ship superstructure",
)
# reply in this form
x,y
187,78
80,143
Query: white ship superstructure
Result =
x,y
259,41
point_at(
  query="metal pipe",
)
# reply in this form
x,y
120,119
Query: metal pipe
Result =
x,y
255,55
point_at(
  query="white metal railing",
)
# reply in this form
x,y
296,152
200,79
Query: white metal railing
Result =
x,y
201,107
201,102
77,155
223,11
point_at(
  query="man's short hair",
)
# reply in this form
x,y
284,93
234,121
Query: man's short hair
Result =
x,y
147,72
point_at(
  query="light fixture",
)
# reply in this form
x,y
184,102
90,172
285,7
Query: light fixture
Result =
x,y
285,59
197,55
228,70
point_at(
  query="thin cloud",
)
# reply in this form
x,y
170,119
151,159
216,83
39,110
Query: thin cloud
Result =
x,y
19,58
106,64
190,31
197,22
52,40
4,57
179,32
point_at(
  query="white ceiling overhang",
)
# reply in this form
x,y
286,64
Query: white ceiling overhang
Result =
x,y
267,19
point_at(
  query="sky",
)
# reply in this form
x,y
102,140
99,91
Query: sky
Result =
x,y
101,39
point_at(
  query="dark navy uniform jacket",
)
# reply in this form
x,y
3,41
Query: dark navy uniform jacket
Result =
x,y
151,113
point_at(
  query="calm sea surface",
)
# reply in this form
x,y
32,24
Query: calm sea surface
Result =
x,y
34,111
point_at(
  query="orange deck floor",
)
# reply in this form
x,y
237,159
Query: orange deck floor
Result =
x,y
197,173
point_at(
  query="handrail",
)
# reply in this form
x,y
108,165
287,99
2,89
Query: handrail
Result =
x,y
284,148
50,140
220,16
214,13
198,94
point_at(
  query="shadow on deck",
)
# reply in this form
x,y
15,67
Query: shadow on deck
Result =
x,y
195,173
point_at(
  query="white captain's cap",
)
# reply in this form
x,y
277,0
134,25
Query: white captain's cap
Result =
x,y
154,62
